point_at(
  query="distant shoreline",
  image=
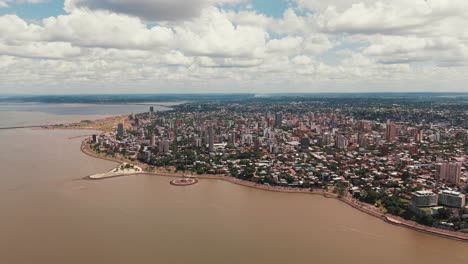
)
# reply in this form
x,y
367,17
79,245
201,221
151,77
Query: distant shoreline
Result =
x,y
368,209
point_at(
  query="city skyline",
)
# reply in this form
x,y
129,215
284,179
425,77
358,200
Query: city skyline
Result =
x,y
226,46
406,160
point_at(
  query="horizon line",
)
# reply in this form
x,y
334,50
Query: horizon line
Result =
x,y
222,93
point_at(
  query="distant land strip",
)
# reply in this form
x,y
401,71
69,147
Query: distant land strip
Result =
x,y
19,127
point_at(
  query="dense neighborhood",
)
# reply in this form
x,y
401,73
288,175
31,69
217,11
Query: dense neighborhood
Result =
x,y
407,159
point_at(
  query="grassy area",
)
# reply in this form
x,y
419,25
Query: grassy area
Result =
x,y
381,206
405,201
106,124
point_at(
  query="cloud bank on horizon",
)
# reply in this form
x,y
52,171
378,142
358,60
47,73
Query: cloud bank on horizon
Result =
x,y
233,46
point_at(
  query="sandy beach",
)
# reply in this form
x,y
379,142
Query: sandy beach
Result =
x,y
123,169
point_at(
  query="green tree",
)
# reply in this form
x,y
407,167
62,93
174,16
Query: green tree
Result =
x,y
427,220
248,172
371,197
443,213
340,189
234,172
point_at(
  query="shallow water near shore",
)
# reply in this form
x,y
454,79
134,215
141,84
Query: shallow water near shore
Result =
x,y
48,214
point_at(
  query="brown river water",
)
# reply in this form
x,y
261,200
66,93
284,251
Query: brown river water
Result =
x,y
49,215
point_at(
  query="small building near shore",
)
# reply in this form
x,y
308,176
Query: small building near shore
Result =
x,y
452,199
424,198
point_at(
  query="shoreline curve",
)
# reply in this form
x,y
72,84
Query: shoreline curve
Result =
x,y
365,208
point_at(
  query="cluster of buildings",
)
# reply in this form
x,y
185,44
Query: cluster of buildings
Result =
x,y
445,198
296,147
429,204
448,172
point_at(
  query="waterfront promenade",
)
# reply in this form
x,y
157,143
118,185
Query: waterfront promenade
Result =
x,y
363,207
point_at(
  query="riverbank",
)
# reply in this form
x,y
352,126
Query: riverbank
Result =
x,y
88,151
105,124
366,208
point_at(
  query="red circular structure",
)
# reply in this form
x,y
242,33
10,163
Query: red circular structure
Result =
x,y
184,181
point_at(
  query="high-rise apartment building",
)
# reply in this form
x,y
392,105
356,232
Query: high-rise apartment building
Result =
x,y
152,140
278,119
391,132
363,140
341,141
233,137
326,139
211,139
448,172
163,147
305,142
120,130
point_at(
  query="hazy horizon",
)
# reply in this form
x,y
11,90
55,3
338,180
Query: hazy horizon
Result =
x,y
235,93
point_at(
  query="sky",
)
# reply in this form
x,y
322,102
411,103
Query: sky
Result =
x,y
233,46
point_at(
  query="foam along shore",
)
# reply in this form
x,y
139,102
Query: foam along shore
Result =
x,y
124,169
